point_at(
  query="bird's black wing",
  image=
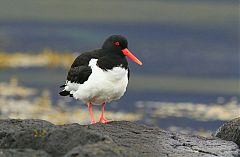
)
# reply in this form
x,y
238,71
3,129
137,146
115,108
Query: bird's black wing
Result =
x,y
80,65
80,71
79,74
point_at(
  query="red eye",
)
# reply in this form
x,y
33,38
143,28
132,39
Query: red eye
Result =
x,y
117,43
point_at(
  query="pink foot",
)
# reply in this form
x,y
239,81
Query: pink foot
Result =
x,y
93,122
103,120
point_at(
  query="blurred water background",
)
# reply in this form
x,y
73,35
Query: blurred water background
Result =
x,y
189,80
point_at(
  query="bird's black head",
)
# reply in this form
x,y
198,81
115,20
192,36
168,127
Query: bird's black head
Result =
x,y
118,45
115,43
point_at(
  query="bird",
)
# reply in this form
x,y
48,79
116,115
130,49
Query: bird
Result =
x,y
101,75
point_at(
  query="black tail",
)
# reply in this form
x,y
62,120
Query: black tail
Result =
x,y
65,93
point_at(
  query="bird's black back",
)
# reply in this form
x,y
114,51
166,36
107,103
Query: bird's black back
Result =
x,y
84,58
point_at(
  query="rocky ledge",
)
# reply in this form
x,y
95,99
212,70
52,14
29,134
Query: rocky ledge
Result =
x,y
230,131
38,138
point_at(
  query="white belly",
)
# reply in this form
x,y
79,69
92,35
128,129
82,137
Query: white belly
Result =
x,y
101,86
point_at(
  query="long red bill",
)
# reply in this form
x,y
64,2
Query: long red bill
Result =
x,y
126,52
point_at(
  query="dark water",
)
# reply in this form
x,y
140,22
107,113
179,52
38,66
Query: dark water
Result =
x,y
164,49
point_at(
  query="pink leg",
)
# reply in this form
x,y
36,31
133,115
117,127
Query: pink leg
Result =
x,y
90,112
102,118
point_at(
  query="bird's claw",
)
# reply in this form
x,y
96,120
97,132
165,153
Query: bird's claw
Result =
x,y
103,120
93,122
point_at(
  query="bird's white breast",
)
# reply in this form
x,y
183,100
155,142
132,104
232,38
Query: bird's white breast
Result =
x,y
102,85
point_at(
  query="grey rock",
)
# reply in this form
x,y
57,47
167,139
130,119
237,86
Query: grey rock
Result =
x,y
102,149
56,140
118,138
22,153
230,131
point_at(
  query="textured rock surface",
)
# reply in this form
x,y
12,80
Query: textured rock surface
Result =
x,y
122,138
23,153
230,131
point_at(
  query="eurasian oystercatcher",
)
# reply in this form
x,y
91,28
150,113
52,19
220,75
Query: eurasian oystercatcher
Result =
x,y
101,75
